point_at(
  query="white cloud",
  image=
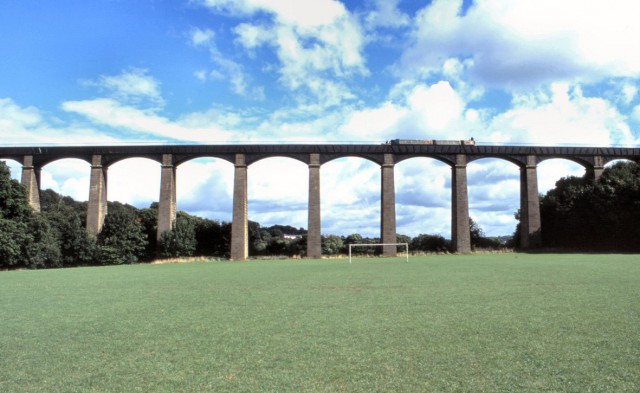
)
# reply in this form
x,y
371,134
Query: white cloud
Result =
x,y
134,85
561,116
202,36
135,181
109,112
205,188
29,126
629,92
418,111
636,113
252,36
227,69
386,14
524,43
303,15
67,177
315,43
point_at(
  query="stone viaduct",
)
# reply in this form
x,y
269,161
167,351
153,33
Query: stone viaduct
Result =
x,y
526,158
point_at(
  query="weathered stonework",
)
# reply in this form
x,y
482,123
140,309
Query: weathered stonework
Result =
x,y
239,226
167,203
388,207
530,224
31,180
460,232
593,159
97,208
314,236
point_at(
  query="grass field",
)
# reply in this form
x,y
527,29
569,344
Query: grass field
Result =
x,y
492,323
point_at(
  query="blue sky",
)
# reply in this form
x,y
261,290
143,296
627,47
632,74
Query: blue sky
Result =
x,y
224,71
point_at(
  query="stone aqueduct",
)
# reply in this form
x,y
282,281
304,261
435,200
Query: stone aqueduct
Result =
x,y
527,158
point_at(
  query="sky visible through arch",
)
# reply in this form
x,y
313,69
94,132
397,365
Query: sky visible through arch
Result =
x,y
292,71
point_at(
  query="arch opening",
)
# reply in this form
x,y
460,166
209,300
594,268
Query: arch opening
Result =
x,y
15,167
350,197
67,177
494,196
134,181
423,197
205,188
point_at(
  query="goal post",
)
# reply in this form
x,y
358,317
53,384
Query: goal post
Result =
x,y
406,247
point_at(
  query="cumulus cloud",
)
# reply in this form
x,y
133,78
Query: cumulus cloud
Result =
x,y
560,115
420,111
313,42
386,14
523,43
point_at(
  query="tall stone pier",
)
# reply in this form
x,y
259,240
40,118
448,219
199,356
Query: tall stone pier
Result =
x,y
97,208
240,225
388,207
314,236
593,159
167,203
460,231
530,224
31,180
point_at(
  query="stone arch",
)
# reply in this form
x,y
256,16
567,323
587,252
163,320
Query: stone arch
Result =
x,y
278,200
204,187
67,177
110,160
609,163
423,196
15,167
551,169
350,190
494,194
134,180
449,160
327,158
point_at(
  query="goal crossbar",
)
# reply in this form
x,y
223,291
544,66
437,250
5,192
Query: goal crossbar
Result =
x,y
406,247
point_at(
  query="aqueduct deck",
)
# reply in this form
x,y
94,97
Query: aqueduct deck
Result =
x,y
527,158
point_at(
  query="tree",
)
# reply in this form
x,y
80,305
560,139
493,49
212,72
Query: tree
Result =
x,y
478,238
331,245
67,220
122,239
430,243
26,238
180,241
594,216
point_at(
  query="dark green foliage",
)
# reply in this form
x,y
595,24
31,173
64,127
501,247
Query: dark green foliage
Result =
x,y
148,218
180,241
122,239
42,248
13,237
213,237
13,196
594,216
479,240
281,230
430,243
26,239
77,246
332,245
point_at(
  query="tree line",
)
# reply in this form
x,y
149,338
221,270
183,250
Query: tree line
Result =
x,y
586,215
56,237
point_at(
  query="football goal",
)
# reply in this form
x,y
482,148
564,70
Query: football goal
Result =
x,y
406,247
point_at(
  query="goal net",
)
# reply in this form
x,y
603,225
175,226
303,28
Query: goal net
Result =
x,y
405,245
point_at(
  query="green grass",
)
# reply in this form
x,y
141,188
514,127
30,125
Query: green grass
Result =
x,y
493,323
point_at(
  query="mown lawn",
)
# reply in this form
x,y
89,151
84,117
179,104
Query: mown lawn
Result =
x,y
493,323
